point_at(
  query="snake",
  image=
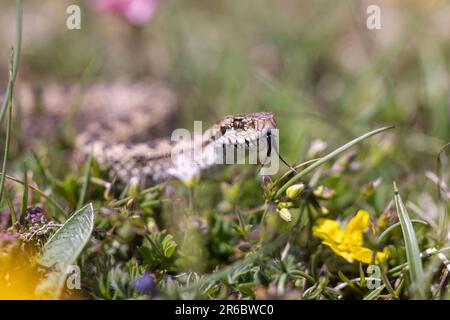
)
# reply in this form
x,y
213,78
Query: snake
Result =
x,y
151,162
123,125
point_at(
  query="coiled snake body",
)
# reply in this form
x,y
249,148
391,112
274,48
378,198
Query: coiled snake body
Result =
x,y
122,125
147,163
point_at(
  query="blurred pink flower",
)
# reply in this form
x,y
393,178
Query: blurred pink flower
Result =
x,y
137,12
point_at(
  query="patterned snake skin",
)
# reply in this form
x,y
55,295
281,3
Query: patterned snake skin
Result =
x,y
124,126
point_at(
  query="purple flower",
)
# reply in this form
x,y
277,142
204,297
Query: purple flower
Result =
x,y
137,12
35,216
146,284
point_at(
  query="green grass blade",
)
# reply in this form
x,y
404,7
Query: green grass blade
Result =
x,y
24,207
87,178
328,157
374,293
389,229
16,60
412,248
7,102
60,210
8,139
344,278
362,276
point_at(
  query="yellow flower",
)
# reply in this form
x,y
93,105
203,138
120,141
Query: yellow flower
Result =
x,y
18,277
348,242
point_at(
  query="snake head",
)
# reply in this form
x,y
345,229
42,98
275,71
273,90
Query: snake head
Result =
x,y
257,121
245,129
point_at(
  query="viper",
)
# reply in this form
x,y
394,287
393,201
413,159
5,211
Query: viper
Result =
x,y
225,142
124,127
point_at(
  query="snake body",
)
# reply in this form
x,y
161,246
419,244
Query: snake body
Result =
x,y
124,126
147,163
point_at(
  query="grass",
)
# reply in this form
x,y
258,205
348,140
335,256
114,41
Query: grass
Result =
x,y
14,65
328,157
7,100
412,248
226,240
86,180
8,138
25,194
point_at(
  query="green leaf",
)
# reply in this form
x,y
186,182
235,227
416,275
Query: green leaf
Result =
x,y
166,241
374,293
168,246
63,249
412,248
168,252
247,289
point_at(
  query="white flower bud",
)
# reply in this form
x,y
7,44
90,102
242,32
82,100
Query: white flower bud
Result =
x,y
293,191
285,214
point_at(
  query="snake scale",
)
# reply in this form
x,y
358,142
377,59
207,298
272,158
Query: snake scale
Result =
x,y
124,126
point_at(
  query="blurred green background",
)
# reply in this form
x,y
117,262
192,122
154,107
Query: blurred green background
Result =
x,y
314,64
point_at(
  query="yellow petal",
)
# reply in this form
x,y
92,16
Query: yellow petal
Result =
x,y
328,229
339,250
358,223
362,254
348,243
365,255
